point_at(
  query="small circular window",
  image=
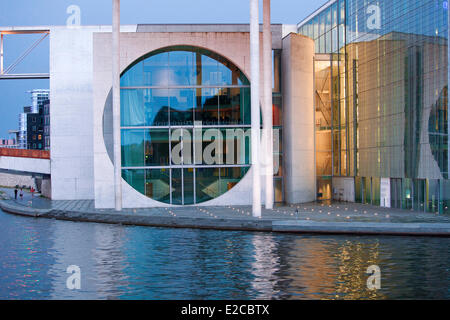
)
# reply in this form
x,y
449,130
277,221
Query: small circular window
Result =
x,y
185,125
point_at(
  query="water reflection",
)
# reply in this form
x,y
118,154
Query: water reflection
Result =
x,y
265,266
23,259
353,259
120,262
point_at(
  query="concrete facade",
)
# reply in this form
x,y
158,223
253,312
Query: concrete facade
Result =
x,y
71,96
30,165
80,90
298,118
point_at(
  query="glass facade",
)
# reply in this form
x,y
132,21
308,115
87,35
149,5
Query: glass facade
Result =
x,y
381,99
185,125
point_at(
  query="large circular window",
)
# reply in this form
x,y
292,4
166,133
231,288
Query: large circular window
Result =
x,y
185,125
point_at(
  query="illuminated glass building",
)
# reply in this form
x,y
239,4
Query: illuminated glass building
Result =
x,y
381,102
360,110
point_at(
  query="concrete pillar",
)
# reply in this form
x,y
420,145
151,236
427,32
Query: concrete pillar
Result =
x,y
298,118
267,106
116,104
255,108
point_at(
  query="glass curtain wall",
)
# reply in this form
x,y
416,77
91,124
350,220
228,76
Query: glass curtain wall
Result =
x,y
389,100
333,148
398,50
277,111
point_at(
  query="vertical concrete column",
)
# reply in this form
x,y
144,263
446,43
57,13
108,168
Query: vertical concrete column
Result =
x,y
298,118
255,109
267,115
116,104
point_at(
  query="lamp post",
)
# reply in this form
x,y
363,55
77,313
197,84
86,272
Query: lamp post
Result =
x,y
116,103
267,106
255,108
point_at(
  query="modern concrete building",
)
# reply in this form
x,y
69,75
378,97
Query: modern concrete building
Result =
x,y
38,97
23,135
359,110
46,121
7,143
38,127
381,102
179,82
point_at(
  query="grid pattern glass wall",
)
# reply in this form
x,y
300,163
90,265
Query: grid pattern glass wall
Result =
x,y
185,120
388,71
398,87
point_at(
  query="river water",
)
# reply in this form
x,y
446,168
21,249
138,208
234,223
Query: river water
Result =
x,y
123,262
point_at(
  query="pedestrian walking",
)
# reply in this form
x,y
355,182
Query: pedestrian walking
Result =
x,y
15,193
32,192
21,194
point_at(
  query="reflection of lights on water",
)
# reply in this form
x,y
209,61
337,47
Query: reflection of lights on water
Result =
x,y
265,266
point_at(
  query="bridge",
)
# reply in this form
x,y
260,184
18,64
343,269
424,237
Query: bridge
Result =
x,y
25,161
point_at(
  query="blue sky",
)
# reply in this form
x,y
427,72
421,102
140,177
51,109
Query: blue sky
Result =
x,y
13,94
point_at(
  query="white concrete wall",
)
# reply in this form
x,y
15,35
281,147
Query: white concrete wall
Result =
x,y
46,188
298,119
25,164
71,131
233,46
12,180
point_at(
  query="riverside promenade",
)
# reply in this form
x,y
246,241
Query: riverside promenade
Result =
x,y
331,218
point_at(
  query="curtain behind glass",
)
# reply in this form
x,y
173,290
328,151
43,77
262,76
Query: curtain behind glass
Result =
x,y
131,104
132,148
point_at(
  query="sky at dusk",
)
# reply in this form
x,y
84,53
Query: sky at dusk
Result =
x,y
14,94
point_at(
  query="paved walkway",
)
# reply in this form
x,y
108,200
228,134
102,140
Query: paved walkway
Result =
x,y
333,218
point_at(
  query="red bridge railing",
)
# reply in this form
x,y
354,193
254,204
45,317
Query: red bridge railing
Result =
x,y
24,153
